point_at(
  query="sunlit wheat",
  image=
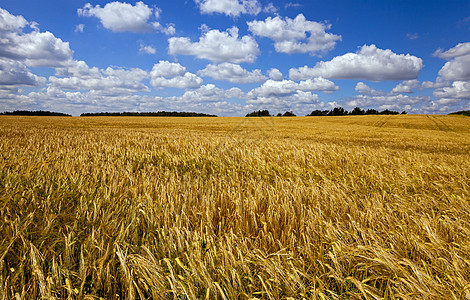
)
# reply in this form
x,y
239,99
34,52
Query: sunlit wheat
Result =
x,y
365,207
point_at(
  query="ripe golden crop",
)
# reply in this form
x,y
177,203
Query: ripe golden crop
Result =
x,y
355,207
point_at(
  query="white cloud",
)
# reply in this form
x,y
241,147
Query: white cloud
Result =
x,y
10,99
291,4
272,88
167,69
300,102
231,8
318,84
79,27
460,50
210,93
187,81
275,74
109,81
390,101
296,35
298,97
217,46
120,17
369,63
439,83
270,8
147,49
412,36
170,29
458,93
167,74
407,87
363,88
457,69
233,73
14,73
38,49
11,23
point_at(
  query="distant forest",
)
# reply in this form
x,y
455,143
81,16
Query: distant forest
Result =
x,y
462,112
337,111
147,114
34,113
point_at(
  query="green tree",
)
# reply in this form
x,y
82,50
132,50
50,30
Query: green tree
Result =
x,y
259,113
357,111
288,114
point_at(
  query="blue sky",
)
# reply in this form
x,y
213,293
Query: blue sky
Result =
x,y
230,57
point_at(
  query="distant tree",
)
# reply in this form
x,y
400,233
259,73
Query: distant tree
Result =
x,y
404,112
288,114
34,113
259,113
372,111
279,115
388,112
318,113
147,114
338,111
357,111
462,112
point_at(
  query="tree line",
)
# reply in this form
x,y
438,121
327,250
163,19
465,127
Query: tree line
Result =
x,y
147,114
462,112
34,113
337,111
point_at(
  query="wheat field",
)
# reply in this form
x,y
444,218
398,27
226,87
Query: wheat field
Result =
x,y
355,207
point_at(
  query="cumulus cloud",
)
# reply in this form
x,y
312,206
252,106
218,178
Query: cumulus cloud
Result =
x,y
37,49
231,8
210,93
369,63
298,97
296,35
459,92
275,74
167,74
11,23
300,102
14,73
389,101
147,49
272,88
217,46
457,69
407,87
167,69
186,81
439,83
270,8
363,88
109,81
120,17
461,49
233,73
10,99
170,29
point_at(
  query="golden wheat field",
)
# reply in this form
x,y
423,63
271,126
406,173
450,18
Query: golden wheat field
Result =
x,y
355,207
